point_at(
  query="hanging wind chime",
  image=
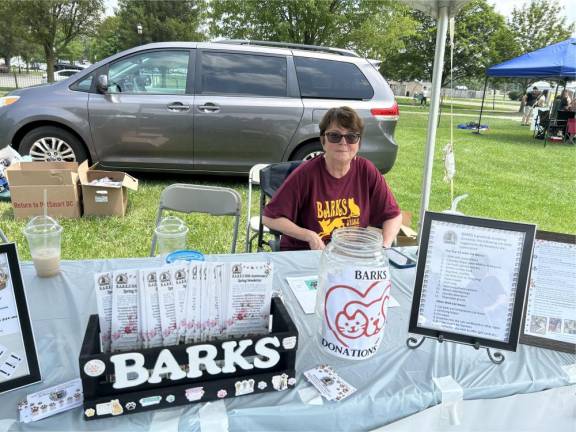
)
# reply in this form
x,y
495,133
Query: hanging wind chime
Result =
x,y
448,150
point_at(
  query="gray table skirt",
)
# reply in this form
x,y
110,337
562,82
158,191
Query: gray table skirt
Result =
x,y
395,383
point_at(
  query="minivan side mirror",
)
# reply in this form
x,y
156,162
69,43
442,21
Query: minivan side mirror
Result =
x,y
102,84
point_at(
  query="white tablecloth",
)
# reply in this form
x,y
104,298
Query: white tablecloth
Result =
x,y
394,384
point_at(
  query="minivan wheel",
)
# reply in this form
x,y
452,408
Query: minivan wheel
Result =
x,y
52,144
308,151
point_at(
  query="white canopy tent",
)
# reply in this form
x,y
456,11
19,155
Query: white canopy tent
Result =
x,y
442,10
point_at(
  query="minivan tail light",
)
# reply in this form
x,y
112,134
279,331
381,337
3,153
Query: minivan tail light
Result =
x,y
392,113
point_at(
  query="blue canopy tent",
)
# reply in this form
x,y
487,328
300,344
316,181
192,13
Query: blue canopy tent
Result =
x,y
557,62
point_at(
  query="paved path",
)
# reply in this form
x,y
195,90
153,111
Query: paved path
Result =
x,y
487,103
517,118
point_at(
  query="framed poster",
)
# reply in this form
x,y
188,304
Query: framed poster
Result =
x,y
18,361
549,319
471,280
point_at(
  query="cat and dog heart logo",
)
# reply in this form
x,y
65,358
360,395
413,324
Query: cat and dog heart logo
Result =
x,y
355,316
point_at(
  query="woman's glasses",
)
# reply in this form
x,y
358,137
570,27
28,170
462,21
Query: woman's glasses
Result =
x,y
336,137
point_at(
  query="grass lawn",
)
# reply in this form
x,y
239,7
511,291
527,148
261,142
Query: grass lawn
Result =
x,y
507,175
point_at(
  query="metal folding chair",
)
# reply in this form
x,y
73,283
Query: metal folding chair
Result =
x,y
253,222
3,238
213,200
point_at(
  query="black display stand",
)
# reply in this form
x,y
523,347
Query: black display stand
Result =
x,y
102,400
495,358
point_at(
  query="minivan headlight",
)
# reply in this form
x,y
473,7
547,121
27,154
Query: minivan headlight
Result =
x,y
8,100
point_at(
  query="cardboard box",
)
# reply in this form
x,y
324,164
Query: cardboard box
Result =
x,y
29,180
407,236
102,199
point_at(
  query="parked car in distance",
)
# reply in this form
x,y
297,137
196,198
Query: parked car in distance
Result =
x,y
69,66
60,75
4,68
210,107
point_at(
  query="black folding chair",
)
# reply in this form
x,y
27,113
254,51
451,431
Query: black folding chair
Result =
x,y
541,124
558,126
271,178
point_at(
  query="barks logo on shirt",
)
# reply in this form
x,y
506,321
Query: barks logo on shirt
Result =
x,y
337,214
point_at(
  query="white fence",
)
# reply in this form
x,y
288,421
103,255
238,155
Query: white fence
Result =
x,y
16,80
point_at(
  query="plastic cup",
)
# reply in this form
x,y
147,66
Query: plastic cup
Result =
x,y
171,235
184,255
44,236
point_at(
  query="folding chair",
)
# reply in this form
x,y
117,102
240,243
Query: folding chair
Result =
x,y
571,130
558,126
3,238
188,198
541,123
271,178
253,222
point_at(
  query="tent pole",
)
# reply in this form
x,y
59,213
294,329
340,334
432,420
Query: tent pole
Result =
x,y
482,106
442,28
552,114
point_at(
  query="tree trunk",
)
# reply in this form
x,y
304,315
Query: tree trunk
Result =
x,y
524,83
50,57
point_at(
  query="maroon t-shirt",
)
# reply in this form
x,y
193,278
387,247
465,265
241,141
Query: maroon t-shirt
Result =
x,y
313,199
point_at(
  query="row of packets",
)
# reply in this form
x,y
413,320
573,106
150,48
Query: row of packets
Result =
x,y
182,303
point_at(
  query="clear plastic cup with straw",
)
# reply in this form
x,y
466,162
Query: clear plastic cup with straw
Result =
x,y
44,238
171,235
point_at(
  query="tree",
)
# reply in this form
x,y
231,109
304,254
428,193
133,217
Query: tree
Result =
x,y
539,24
73,51
106,42
10,35
371,27
477,28
170,20
54,24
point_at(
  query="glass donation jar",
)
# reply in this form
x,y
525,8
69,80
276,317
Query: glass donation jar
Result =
x,y
353,293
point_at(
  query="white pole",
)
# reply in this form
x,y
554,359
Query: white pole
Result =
x,y
434,110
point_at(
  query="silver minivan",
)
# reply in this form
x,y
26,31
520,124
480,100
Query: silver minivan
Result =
x,y
201,107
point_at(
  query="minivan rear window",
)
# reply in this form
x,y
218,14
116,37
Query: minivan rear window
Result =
x,y
243,74
328,79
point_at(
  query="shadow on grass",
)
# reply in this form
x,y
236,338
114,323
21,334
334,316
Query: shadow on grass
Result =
x,y
225,180
505,137
513,139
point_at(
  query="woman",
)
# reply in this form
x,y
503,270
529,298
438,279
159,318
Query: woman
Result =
x,y
334,190
565,100
542,99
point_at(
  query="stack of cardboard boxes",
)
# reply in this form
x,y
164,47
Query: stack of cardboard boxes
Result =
x,y
68,190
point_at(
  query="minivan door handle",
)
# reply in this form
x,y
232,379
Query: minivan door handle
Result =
x,y
178,107
209,107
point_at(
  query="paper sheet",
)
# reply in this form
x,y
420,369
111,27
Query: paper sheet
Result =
x,y
304,289
551,302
